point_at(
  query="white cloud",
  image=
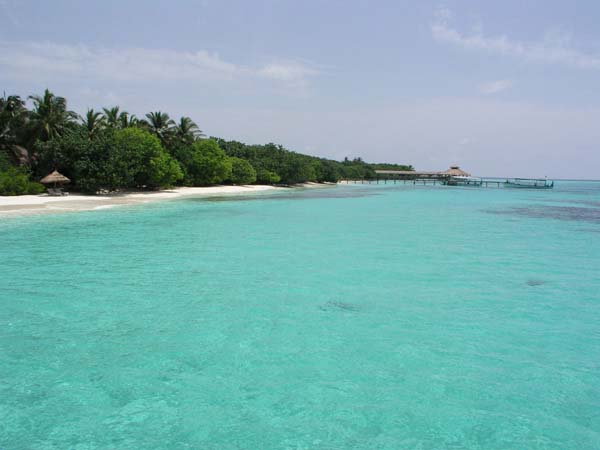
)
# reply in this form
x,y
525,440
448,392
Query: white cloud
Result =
x,y
29,58
494,87
289,72
553,48
44,60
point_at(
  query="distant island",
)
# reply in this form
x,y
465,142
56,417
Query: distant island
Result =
x,y
112,150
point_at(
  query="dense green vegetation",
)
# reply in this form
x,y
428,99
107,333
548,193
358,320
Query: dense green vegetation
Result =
x,y
242,171
275,164
15,181
112,149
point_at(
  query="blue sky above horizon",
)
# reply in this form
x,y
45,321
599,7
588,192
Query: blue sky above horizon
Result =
x,y
502,88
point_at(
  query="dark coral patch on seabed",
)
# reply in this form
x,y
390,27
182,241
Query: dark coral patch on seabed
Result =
x,y
570,213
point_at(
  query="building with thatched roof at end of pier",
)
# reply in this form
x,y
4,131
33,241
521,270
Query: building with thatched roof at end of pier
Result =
x,y
455,171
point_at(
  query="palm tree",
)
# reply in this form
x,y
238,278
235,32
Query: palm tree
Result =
x,y
187,131
127,120
12,109
111,116
161,125
93,122
49,117
13,117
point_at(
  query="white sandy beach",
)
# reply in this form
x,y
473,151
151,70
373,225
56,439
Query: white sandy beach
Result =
x,y
39,204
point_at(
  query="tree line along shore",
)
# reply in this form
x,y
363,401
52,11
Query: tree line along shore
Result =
x,y
112,150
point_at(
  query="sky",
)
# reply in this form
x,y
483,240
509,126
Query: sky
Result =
x,y
507,88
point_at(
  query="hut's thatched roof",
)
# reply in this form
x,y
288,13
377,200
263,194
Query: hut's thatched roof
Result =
x,y
55,177
455,171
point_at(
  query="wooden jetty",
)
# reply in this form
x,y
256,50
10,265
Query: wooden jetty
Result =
x,y
421,181
454,176
454,173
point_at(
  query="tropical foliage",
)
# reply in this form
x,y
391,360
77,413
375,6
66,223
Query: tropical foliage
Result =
x,y
274,164
186,131
49,117
111,149
142,161
13,118
242,171
14,181
204,163
93,122
115,159
160,125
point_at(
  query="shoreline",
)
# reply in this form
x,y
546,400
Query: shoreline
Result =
x,y
24,205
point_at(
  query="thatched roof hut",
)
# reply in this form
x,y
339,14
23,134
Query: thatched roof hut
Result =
x,y
455,171
55,178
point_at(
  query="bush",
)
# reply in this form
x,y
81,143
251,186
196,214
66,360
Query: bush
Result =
x,y
35,188
15,182
138,159
164,171
298,169
264,176
205,163
242,171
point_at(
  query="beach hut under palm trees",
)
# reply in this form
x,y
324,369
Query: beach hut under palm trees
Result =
x,y
57,180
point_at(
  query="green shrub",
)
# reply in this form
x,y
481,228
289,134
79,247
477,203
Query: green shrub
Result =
x,y
204,163
242,171
264,176
15,182
163,170
138,159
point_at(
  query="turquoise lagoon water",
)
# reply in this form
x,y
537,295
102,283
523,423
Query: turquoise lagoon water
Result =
x,y
352,317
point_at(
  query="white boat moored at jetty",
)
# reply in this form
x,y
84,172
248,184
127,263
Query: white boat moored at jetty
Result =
x,y
529,183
